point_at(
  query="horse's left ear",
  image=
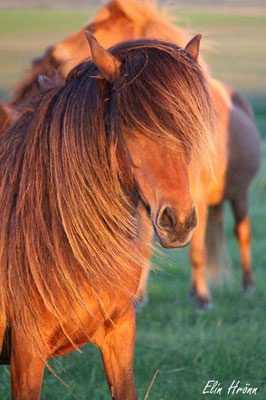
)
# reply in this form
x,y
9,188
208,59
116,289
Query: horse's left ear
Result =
x,y
108,65
193,46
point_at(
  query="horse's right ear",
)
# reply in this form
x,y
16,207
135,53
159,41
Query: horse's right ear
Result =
x,y
193,46
108,65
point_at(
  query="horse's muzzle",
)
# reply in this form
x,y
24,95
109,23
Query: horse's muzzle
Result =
x,y
170,231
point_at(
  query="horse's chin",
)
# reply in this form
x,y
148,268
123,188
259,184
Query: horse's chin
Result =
x,y
171,243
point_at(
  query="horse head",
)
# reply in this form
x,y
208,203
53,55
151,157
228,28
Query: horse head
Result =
x,y
160,169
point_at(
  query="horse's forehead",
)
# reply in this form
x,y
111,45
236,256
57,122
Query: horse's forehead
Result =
x,y
142,146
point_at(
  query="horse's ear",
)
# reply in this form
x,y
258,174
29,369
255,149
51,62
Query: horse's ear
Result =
x,y
193,46
108,65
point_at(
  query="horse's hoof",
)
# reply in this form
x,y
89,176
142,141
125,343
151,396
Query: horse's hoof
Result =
x,y
140,303
248,284
204,303
249,289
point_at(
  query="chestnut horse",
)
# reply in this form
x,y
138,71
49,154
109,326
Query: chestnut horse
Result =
x,y
71,179
236,136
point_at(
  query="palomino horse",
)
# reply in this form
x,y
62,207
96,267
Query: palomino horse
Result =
x,y
236,137
71,178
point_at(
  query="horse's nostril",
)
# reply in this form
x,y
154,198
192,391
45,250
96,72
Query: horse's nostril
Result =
x,y
191,221
167,219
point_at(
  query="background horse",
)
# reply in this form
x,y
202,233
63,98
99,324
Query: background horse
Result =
x,y
71,178
236,137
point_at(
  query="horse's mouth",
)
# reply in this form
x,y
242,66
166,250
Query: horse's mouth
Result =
x,y
173,245
174,240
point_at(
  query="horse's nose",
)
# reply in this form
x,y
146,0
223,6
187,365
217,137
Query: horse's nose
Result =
x,y
173,230
166,220
191,221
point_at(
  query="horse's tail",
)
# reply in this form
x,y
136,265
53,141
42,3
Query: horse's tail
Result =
x,y
215,242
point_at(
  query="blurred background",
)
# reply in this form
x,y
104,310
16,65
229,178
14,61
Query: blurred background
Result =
x,y
187,347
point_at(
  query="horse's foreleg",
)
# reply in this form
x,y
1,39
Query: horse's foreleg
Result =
x,y
197,252
243,235
117,353
26,370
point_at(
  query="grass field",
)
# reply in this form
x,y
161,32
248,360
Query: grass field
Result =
x,y
188,348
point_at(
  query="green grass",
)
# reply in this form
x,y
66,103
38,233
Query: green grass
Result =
x,y
189,348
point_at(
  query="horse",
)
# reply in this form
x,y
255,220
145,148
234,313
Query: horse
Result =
x,y
71,179
236,137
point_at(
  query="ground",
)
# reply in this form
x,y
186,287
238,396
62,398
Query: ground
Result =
x,y
187,347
